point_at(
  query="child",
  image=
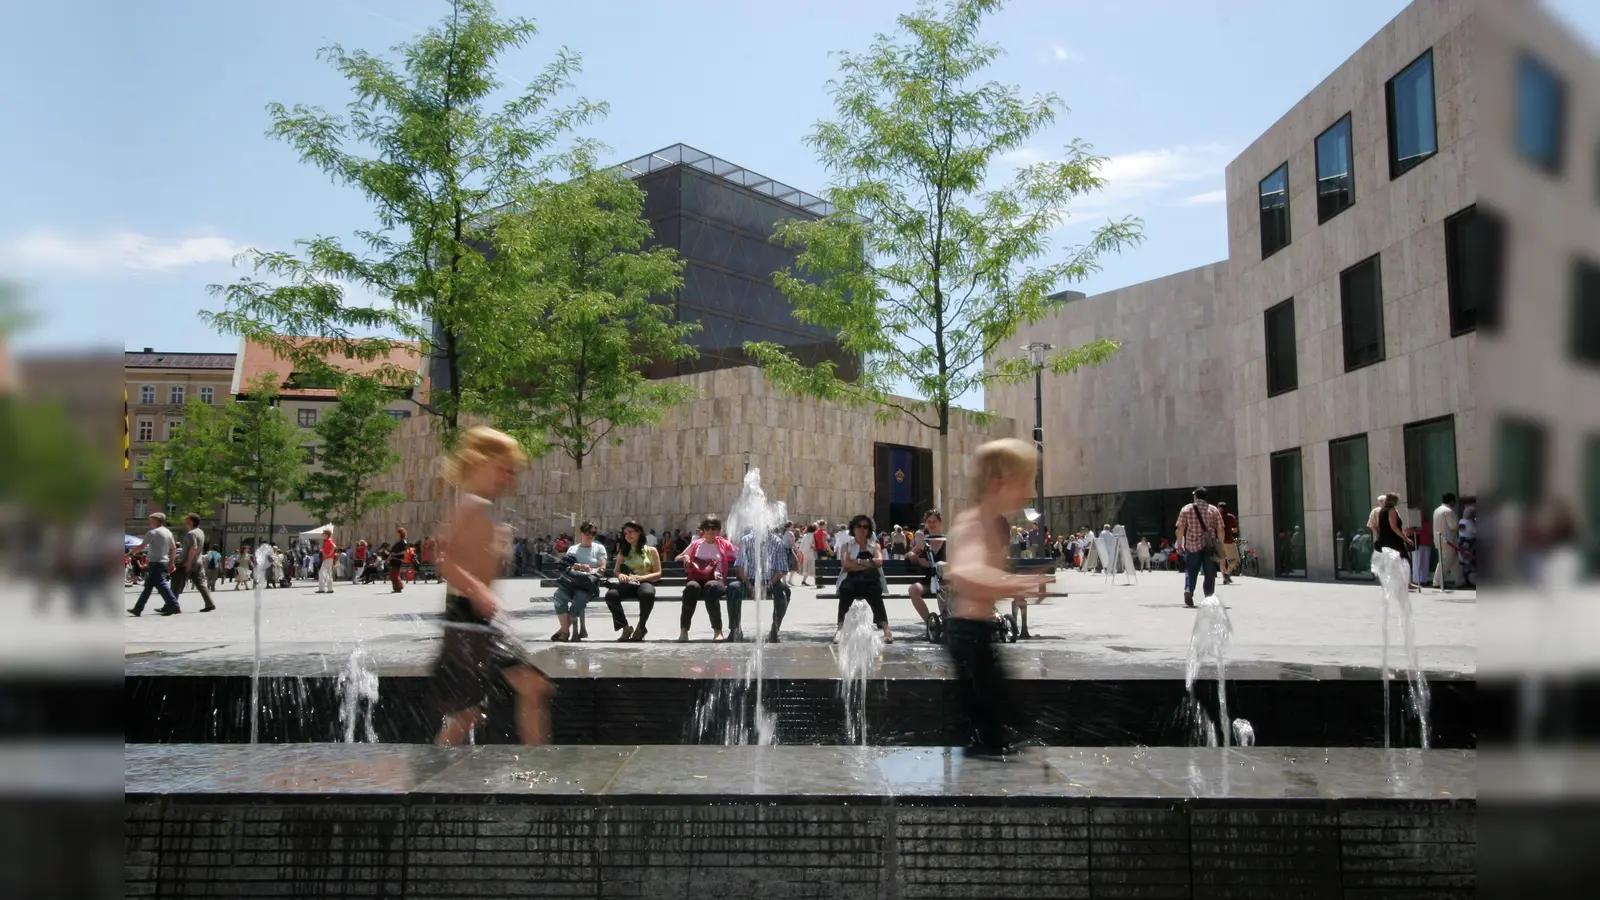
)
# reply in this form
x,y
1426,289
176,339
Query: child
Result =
x,y
978,546
476,650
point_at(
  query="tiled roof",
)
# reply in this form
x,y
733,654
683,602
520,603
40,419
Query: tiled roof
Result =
x,y
162,360
257,359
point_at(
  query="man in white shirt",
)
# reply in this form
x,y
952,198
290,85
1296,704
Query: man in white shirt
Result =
x,y
650,540
1446,539
839,537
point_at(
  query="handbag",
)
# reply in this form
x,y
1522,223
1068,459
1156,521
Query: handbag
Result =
x,y
1210,544
699,571
579,582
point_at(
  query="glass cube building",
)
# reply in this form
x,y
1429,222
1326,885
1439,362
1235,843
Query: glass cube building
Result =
x,y
720,217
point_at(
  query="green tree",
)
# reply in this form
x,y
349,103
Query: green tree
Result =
x,y
201,451
592,280
355,449
443,169
926,267
266,457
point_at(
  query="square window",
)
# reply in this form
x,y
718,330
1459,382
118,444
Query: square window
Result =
x,y
173,427
147,430
1541,114
175,395
307,418
1275,211
1586,312
1336,182
1283,373
1413,129
139,464
1473,248
1361,301
147,394
208,394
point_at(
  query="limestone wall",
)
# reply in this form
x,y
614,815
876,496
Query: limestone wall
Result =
x,y
818,457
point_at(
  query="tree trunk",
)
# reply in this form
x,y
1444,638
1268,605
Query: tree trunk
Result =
x,y
579,476
941,464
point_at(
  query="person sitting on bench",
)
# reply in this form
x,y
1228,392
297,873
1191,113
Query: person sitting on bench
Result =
x,y
926,554
861,558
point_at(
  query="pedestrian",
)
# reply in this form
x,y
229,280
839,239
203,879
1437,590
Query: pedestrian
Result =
x,y
1199,539
397,559
1142,554
479,651
979,578
1447,537
159,563
1388,533
325,571
1230,546
192,560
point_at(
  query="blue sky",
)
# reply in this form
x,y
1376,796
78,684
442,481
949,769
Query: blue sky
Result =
x,y
137,163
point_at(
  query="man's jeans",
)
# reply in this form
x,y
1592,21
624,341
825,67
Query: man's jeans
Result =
x,y
1193,563
155,579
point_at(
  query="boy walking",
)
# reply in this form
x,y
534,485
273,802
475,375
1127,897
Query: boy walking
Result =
x,y
979,579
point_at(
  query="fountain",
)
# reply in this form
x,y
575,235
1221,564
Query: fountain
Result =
x,y
1394,577
1213,632
357,688
733,711
263,555
860,646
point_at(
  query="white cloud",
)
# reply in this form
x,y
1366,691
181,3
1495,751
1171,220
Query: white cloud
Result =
x,y
1207,199
123,250
1061,54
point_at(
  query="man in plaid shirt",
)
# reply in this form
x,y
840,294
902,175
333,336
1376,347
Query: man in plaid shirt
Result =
x,y
1194,521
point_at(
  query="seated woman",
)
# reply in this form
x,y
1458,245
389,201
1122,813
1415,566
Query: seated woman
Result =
x,y
580,580
638,570
705,567
861,558
927,551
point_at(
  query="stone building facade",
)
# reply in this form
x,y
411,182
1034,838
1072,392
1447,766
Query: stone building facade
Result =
x,y
1126,442
820,458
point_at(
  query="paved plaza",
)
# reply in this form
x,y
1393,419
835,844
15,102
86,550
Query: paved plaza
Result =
x,y
1101,623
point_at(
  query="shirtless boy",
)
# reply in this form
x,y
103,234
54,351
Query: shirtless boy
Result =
x,y
477,651
979,579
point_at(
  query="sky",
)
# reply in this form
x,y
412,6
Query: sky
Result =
x,y
137,164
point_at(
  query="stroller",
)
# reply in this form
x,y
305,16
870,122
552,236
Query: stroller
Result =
x,y
1005,626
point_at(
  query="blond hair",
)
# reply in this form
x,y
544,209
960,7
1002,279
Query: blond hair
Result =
x,y
1007,459
478,446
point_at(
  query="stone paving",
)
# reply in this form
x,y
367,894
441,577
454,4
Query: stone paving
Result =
x,y
1101,623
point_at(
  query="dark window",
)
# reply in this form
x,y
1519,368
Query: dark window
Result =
x,y
307,417
1352,502
1283,372
1413,133
309,454
1336,182
1586,312
1541,114
401,414
1430,448
1473,247
1288,514
1519,461
1361,301
1275,211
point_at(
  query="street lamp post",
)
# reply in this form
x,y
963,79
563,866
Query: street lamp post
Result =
x,y
166,501
1036,357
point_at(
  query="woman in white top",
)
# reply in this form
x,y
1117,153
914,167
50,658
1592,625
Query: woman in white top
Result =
x,y
1144,554
861,558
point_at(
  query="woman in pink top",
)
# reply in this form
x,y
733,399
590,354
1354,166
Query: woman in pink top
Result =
x,y
705,565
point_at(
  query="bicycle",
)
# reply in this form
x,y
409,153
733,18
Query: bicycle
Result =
x,y
1249,562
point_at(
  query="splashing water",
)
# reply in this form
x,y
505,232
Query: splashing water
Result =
x,y
1244,734
1394,577
860,647
733,710
1213,633
263,556
358,694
